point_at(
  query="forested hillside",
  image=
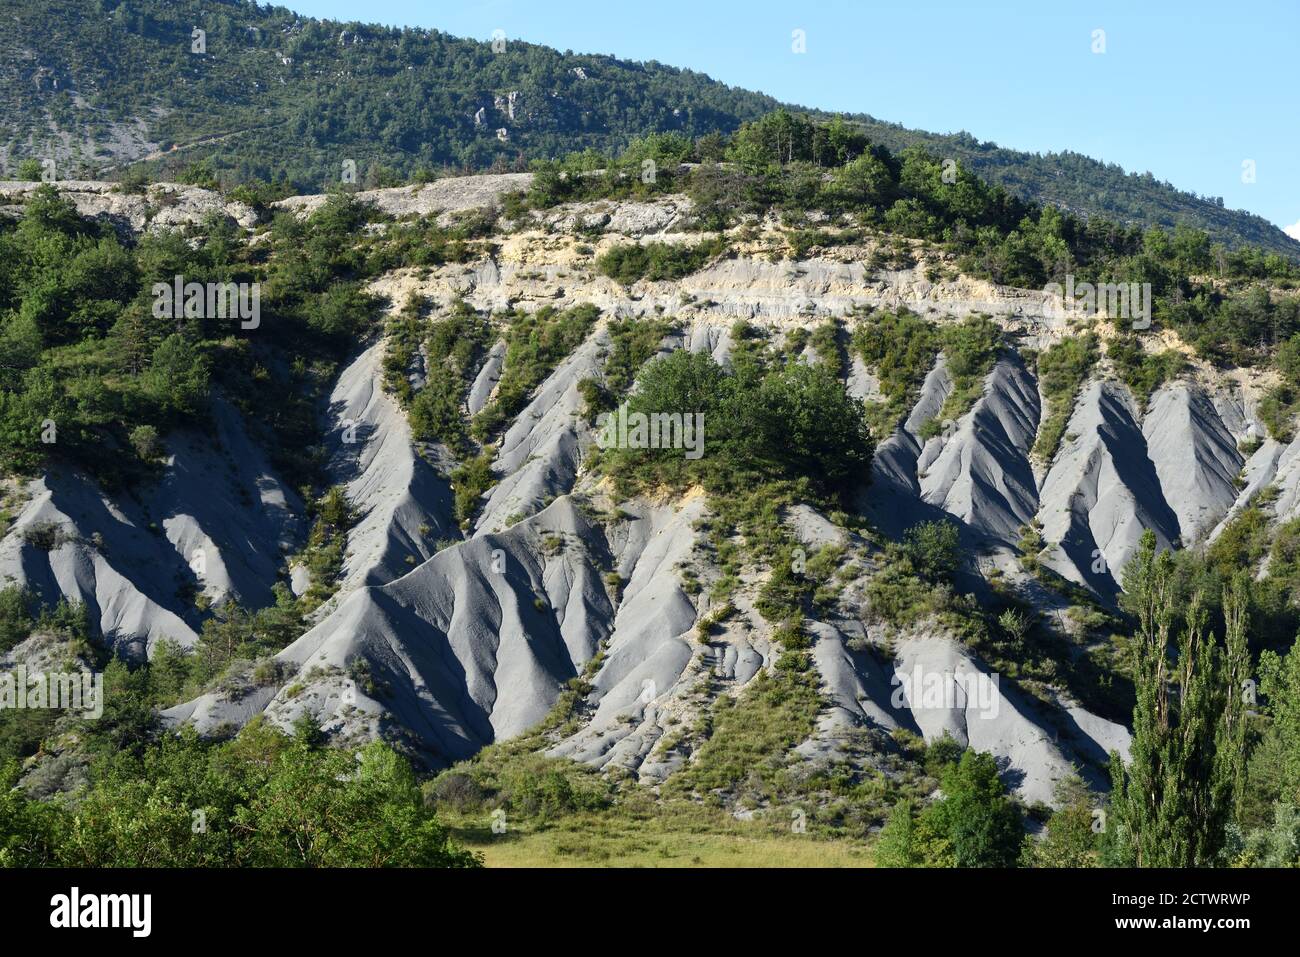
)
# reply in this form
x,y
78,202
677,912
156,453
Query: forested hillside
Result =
x,y
305,555
266,94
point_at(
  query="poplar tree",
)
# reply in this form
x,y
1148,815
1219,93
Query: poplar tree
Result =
x,y
1170,806
1230,747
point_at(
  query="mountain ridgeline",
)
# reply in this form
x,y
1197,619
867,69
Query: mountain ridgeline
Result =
x,y
266,94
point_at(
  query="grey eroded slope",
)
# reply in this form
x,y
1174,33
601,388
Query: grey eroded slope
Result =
x,y
128,583
218,522
225,512
1195,457
1176,474
649,647
933,686
1102,492
539,455
976,471
981,473
1287,479
893,496
1034,748
1257,474
403,506
472,646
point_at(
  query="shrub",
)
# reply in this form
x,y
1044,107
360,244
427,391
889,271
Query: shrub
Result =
x,y
931,547
471,480
144,439
631,262
900,348
17,615
535,344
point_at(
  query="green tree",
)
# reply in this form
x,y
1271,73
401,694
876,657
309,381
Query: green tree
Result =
x,y
322,808
899,842
981,825
1170,806
1280,683
1071,840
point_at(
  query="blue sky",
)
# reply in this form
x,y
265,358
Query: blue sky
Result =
x,y
1189,91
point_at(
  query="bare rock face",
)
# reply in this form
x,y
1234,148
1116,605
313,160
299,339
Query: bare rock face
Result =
x,y
72,542
1287,480
893,497
472,646
650,649
947,692
1195,457
162,206
630,219
1102,492
403,505
486,380
428,199
539,454
1174,472
981,473
1256,475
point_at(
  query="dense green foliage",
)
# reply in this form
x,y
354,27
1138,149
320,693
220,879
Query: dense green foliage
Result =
x,y
973,824
268,95
536,342
452,348
789,422
1143,372
969,348
1253,781
900,348
1171,805
92,377
260,800
656,261
632,344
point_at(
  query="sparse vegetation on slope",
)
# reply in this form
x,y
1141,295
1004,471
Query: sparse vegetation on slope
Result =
x,y
1143,372
535,343
969,348
1062,370
900,348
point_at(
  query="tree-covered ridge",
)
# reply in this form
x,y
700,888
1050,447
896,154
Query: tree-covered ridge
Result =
x,y
86,348
404,98
832,185
278,96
